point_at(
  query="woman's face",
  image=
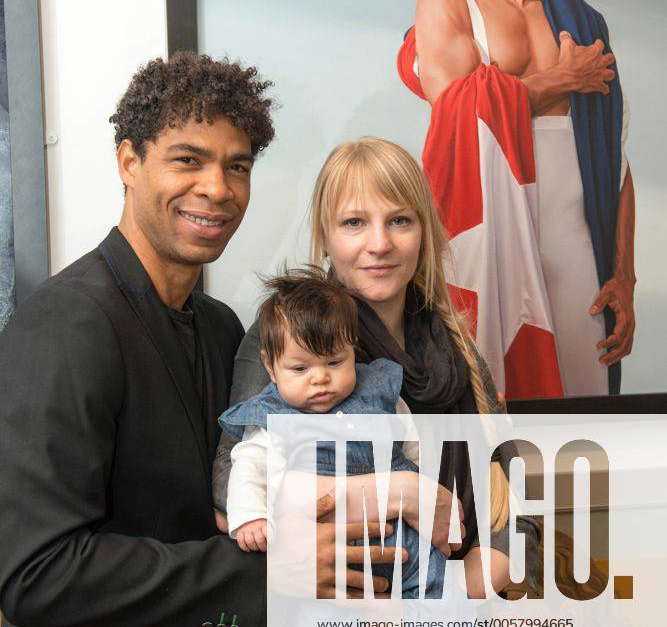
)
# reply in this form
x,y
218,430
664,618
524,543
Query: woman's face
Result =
x,y
374,247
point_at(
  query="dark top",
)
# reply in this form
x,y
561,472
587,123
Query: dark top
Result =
x,y
184,325
106,458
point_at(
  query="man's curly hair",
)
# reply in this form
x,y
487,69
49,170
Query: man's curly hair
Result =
x,y
168,93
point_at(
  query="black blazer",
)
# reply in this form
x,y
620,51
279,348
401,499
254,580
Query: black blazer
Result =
x,y
106,514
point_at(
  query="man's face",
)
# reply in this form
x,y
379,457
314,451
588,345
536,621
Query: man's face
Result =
x,y
191,190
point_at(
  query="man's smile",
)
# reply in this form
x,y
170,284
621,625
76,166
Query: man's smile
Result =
x,y
209,220
205,225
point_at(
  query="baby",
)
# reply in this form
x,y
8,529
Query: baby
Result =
x,y
308,328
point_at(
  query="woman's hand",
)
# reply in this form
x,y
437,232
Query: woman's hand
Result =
x,y
403,498
474,573
405,484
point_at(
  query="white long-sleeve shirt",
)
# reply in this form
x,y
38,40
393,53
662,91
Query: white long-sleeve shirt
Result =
x,y
248,480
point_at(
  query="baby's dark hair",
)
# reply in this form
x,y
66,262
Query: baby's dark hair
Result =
x,y
318,313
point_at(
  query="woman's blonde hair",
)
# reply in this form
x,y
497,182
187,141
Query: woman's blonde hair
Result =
x,y
384,168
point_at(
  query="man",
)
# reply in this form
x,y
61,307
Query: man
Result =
x,y
113,373
542,237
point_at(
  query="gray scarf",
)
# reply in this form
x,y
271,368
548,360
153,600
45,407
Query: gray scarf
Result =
x,y
435,374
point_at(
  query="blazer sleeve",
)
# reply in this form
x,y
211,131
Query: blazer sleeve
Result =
x,y
250,378
62,389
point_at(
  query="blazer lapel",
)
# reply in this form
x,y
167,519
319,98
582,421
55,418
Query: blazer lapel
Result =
x,y
151,311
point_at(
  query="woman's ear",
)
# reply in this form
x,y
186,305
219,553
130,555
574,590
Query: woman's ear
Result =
x,y
267,365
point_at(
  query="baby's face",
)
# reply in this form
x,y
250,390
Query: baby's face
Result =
x,y
311,383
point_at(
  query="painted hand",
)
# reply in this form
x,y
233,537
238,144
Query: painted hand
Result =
x,y
586,66
618,294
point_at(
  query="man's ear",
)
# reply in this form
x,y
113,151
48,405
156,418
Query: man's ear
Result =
x,y
267,365
128,161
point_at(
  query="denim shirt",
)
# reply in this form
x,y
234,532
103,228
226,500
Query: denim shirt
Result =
x,y
376,392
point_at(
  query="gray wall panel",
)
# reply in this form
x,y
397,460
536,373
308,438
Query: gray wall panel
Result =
x,y
27,145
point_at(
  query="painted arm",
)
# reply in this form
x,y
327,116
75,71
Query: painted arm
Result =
x,y
445,46
447,51
582,69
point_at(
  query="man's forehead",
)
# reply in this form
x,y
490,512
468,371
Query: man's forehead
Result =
x,y
219,135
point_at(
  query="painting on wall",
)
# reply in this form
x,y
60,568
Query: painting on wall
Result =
x,y
6,218
554,307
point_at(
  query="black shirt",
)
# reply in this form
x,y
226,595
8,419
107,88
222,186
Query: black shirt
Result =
x,y
184,325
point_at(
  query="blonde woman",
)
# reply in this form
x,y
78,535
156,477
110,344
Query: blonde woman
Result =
x,y
375,229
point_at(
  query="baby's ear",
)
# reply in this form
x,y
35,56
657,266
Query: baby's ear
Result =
x,y
267,364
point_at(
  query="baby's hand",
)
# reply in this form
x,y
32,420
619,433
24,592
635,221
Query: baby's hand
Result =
x,y
252,535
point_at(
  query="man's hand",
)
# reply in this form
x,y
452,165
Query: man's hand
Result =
x,y
587,67
326,573
617,293
251,536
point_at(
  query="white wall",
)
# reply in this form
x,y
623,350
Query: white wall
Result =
x,y
333,65
334,68
90,51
